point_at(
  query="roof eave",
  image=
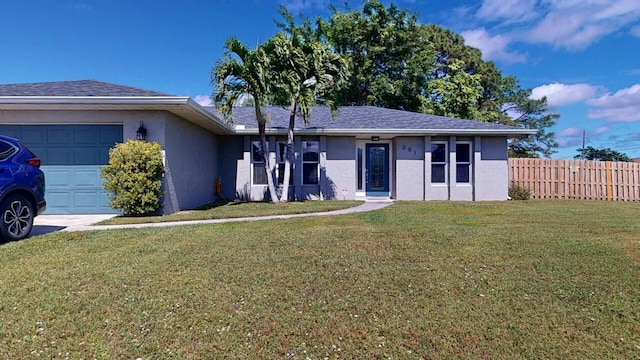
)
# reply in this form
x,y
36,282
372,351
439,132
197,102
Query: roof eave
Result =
x,y
179,105
397,132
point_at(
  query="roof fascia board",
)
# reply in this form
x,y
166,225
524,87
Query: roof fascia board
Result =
x,y
71,101
407,132
83,100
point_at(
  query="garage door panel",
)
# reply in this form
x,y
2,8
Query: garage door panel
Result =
x,y
86,199
71,158
56,176
34,137
110,135
10,131
53,156
75,189
84,136
58,201
88,177
59,136
87,156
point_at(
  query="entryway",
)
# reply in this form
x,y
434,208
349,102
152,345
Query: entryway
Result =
x,y
372,168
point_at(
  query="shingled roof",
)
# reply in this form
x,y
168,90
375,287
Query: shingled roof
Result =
x,y
363,118
75,88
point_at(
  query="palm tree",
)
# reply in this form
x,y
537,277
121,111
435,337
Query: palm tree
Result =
x,y
243,72
306,71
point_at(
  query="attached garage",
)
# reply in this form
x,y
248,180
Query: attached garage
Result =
x,y
71,159
71,125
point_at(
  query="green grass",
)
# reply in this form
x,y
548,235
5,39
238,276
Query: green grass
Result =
x,y
526,279
232,209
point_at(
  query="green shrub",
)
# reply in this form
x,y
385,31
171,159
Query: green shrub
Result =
x,y
517,192
133,177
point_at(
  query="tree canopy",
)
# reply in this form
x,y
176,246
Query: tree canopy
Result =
x,y
397,63
603,154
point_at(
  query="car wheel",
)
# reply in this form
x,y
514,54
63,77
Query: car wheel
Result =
x,y
17,218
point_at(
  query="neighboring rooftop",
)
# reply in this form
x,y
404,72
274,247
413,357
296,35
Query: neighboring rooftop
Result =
x,y
358,117
75,88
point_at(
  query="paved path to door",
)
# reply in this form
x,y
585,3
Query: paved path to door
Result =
x,y
50,223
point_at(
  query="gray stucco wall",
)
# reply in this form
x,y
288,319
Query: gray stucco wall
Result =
x,y
339,172
409,168
233,163
191,164
491,168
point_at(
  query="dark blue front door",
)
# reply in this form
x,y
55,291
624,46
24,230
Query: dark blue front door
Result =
x,y
377,169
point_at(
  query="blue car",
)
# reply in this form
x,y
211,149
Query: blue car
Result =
x,y
21,189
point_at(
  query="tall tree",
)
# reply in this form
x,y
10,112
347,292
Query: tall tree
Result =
x,y
305,71
396,63
388,66
455,94
243,72
519,109
603,154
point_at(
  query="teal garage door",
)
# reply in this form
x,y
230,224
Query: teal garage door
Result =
x,y
71,158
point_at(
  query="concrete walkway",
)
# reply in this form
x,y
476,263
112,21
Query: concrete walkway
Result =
x,y
44,224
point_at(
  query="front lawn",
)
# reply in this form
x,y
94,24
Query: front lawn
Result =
x,y
527,279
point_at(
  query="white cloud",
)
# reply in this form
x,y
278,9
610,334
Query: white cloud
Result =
x,y
562,94
570,132
601,130
566,24
576,24
621,106
492,47
569,142
204,100
508,10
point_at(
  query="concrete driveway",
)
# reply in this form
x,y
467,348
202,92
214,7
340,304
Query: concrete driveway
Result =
x,y
44,224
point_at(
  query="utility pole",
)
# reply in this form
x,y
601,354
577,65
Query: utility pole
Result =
x,y
584,137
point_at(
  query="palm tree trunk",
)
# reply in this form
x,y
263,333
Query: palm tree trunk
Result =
x,y
289,158
267,165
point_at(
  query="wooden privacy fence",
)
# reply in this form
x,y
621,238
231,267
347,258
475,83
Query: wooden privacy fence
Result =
x,y
577,179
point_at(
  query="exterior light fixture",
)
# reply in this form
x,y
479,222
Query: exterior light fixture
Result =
x,y
375,138
141,134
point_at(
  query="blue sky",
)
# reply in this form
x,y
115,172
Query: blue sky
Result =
x,y
584,55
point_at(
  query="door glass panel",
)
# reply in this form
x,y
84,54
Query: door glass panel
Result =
x,y
377,155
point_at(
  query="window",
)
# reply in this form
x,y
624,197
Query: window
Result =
x,y
310,162
439,162
281,157
259,173
6,150
463,162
